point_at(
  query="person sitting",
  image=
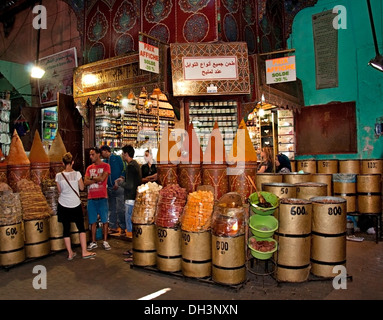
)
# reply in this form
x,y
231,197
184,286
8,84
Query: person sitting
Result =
x,y
282,163
266,164
149,169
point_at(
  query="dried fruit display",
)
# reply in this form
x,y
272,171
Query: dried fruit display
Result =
x,y
262,245
146,203
33,201
198,211
10,208
171,202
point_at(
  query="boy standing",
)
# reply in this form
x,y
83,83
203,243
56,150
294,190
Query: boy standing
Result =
x,y
96,177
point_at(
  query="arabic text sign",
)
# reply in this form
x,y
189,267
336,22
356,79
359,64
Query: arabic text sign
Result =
x,y
149,57
205,68
58,75
281,70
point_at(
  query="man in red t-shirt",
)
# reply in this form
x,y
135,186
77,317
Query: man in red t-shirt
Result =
x,y
96,178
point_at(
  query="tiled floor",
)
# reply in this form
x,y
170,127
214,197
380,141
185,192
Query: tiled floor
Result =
x,y
108,277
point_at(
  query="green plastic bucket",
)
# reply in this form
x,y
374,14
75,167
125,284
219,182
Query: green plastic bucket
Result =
x,y
263,226
261,254
269,197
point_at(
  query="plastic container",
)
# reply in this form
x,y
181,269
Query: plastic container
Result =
x,y
269,197
263,226
262,255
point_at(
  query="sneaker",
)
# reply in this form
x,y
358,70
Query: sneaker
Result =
x,y
129,235
106,245
92,245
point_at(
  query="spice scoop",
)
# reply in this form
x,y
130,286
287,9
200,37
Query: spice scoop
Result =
x,y
262,203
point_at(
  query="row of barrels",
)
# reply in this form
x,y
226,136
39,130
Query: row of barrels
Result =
x,y
311,238
31,239
195,254
363,192
365,166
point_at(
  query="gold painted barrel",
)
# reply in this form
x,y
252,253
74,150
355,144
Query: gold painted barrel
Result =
x,y
328,235
296,177
215,175
266,177
369,189
349,166
168,246
309,166
345,187
144,245
196,254
17,172
167,174
12,249
228,259
323,178
307,190
37,234
368,183
40,172
327,166
281,190
294,240
189,176
56,234
371,166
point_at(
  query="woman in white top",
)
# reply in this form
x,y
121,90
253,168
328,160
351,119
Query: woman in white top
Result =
x,y
69,209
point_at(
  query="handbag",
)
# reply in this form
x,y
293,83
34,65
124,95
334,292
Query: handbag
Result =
x,y
82,204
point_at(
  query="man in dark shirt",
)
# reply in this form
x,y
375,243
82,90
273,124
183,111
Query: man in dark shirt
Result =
x,y
130,183
149,169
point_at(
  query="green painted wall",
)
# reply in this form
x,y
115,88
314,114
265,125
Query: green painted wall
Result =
x,y
357,81
17,77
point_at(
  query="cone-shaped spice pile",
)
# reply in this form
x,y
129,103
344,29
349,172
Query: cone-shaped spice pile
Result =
x,y
17,155
57,149
166,153
191,151
215,151
242,149
38,154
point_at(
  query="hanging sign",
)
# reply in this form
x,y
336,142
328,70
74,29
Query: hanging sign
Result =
x,y
213,68
149,57
203,68
58,75
281,70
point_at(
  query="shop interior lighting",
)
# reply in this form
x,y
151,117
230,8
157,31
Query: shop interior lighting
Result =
x,y
36,71
89,79
376,62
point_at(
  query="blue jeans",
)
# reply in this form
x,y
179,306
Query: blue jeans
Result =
x,y
116,214
129,205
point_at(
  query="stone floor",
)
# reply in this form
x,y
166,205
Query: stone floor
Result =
x,y
108,277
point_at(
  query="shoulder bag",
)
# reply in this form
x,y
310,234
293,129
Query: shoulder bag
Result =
x,y
82,205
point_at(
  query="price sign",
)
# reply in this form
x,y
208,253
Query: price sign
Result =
x,y
280,70
149,57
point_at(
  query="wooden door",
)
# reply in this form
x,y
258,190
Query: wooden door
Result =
x,y
70,128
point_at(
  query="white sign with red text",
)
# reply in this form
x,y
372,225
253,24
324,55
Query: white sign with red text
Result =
x,y
149,57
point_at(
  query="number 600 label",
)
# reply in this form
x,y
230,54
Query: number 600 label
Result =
x,y
297,211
